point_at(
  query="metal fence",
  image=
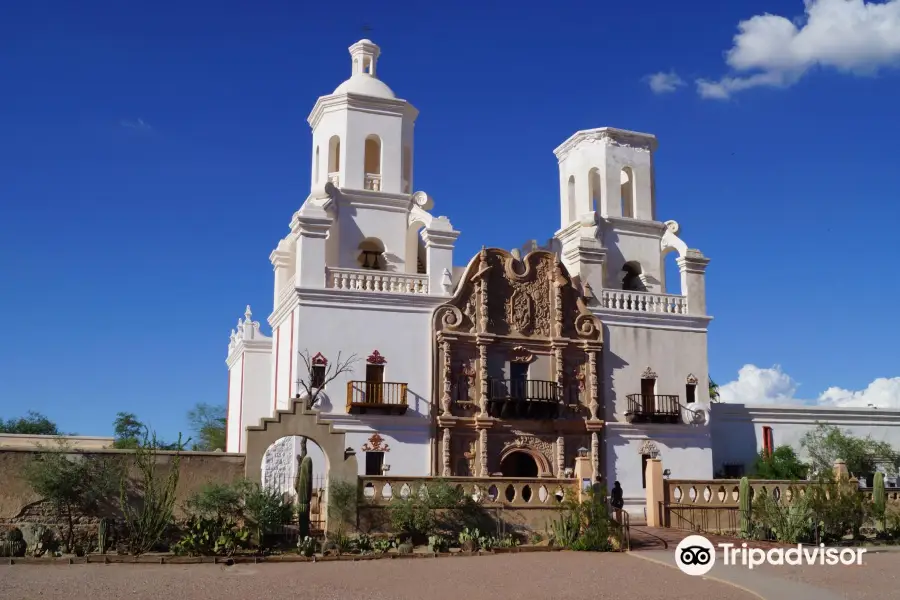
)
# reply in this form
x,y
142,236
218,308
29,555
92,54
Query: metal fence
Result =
x,y
286,484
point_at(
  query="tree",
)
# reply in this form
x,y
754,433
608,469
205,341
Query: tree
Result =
x,y
713,391
34,423
826,444
781,463
148,515
319,373
208,422
128,431
72,482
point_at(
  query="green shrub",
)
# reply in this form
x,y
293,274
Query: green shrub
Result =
x,y
585,525
789,523
265,510
838,508
216,536
439,509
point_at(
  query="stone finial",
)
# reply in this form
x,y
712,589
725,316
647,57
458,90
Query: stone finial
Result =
x,y
248,314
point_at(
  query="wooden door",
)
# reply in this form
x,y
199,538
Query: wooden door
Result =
x,y
374,384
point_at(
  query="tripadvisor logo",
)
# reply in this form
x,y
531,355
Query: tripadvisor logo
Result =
x,y
696,555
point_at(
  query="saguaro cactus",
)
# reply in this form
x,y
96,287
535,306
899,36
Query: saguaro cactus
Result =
x,y
744,493
101,536
304,495
878,500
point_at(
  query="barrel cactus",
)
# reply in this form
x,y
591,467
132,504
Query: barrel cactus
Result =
x,y
304,495
879,500
744,494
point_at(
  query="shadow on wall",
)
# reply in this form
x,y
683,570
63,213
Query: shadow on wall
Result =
x,y
734,442
612,362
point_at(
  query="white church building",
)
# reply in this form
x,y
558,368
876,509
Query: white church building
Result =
x,y
506,363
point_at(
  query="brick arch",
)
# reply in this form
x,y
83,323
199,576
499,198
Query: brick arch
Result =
x,y
297,420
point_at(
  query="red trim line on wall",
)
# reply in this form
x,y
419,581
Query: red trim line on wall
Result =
x,y
227,411
291,358
277,348
241,417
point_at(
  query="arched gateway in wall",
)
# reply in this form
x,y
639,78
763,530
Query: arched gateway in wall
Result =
x,y
297,420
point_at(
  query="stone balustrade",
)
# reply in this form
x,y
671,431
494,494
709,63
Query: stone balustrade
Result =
x,y
373,182
491,491
377,281
643,302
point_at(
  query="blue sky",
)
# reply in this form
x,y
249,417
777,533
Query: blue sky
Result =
x,y
153,152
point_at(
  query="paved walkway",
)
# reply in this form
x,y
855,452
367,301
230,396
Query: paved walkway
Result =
x,y
878,577
537,576
662,538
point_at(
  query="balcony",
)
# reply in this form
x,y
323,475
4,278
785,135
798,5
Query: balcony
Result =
x,y
644,302
523,399
373,182
335,179
370,280
644,408
367,397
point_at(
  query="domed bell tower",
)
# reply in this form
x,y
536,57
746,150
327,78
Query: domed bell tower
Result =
x,y
363,133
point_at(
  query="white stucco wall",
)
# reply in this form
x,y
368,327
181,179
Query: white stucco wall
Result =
x,y
673,348
686,450
737,428
233,422
257,388
284,341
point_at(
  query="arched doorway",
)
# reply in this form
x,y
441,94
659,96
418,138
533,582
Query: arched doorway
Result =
x,y
519,464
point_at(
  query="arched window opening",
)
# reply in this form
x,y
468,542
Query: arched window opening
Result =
x,y
316,167
368,66
596,187
373,163
334,160
672,274
627,193
407,170
416,259
570,200
371,255
633,282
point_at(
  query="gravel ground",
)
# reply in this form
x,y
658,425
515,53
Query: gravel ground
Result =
x,y
540,576
877,578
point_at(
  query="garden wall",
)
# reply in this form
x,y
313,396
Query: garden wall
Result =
x,y
19,503
513,504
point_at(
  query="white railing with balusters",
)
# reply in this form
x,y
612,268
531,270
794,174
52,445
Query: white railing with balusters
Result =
x,y
373,182
377,281
644,302
335,179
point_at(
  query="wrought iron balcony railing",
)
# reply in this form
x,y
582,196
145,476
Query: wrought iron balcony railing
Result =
x,y
655,408
369,397
523,398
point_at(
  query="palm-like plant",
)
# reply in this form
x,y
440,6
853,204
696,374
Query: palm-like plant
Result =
x,y
713,391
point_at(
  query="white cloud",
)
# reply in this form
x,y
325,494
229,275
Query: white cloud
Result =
x,y
756,385
136,124
852,36
663,83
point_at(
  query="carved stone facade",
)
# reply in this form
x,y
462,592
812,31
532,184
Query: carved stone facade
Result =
x,y
517,356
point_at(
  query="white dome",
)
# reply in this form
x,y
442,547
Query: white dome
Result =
x,y
365,85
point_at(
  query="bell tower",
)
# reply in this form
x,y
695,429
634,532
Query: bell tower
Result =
x,y
363,133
